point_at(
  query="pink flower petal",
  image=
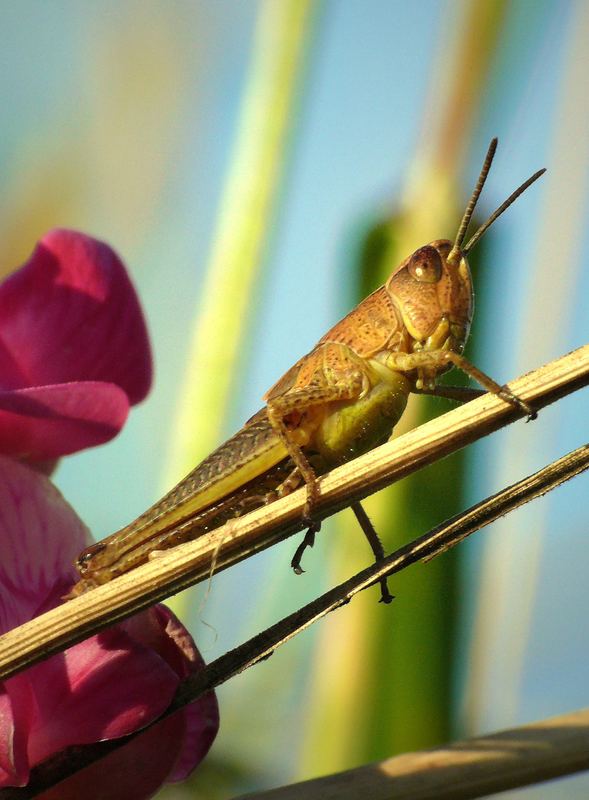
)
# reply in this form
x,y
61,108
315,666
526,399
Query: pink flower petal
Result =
x,y
160,629
45,422
201,721
175,644
40,537
102,688
134,772
74,354
71,314
17,707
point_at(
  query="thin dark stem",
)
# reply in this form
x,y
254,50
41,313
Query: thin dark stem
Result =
x,y
260,647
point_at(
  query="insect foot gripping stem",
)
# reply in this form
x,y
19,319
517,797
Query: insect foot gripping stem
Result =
x,y
506,394
502,391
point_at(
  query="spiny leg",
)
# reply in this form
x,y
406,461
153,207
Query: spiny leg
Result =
x,y
278,409
276,417
292,481
288,485
375,545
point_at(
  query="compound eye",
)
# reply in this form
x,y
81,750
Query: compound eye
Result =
x,y
425,265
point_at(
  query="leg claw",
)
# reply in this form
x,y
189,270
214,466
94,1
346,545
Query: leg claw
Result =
x,y
385,596
308,541
521,405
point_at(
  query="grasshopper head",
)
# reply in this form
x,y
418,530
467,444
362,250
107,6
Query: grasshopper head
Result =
x,y
432,289
434,296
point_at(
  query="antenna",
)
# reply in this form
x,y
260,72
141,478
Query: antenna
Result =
x,y
456,249
505,205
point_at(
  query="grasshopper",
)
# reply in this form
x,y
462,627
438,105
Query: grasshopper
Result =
x,y
337,402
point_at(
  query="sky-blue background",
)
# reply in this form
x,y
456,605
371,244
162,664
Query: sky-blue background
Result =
x,y
119,119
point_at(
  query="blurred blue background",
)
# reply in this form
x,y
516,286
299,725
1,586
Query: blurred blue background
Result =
x,y
135,121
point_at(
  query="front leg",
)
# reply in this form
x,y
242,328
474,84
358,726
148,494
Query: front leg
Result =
x,y
425,362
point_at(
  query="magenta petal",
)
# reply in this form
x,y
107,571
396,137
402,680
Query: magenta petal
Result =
x,y
201,718
16,711
13,763
102,688
134,772
160,629
71,314
201,721
40,536
45,422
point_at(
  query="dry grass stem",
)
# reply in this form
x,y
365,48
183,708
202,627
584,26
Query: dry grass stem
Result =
x,y
190,563
462,770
